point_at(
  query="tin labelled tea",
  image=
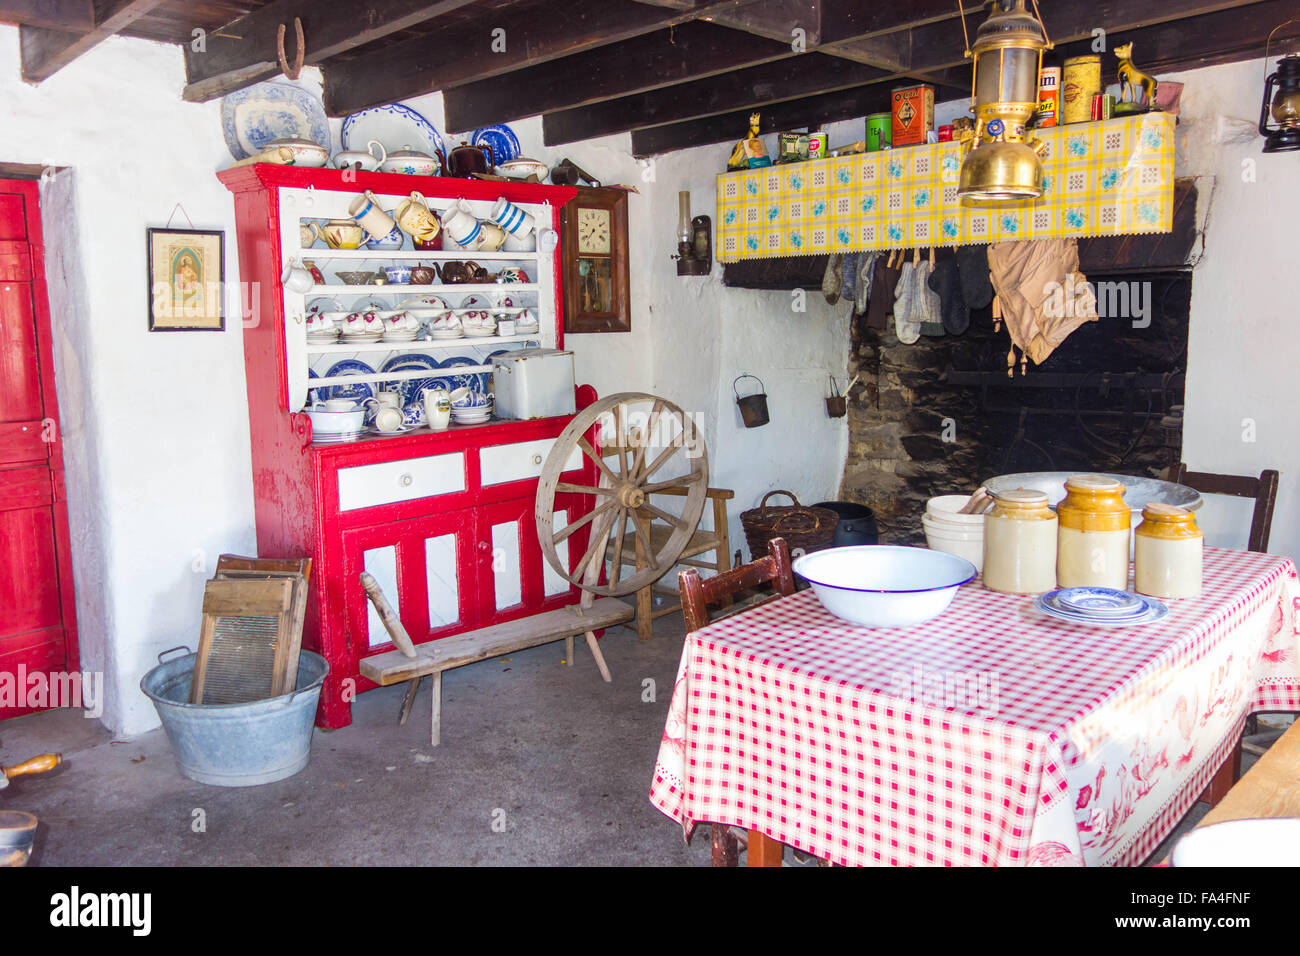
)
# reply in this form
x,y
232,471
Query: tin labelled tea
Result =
x,y
913,114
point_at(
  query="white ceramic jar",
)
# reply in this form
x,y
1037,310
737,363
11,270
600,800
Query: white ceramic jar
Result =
x,y
1093,546
1169,550
1020,543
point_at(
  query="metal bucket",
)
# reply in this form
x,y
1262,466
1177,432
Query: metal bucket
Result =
x,y
17,834
753,408
236,745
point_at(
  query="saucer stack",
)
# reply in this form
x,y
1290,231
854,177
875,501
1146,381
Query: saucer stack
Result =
x,y
469,407
1100,607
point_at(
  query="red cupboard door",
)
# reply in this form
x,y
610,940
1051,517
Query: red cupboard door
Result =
x,y
37,623
427,569
514,576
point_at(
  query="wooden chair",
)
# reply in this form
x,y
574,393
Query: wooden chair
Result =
x,y
715,541
696,595
1263,489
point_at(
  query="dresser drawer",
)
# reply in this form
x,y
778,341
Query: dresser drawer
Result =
x,y
368,485
501,463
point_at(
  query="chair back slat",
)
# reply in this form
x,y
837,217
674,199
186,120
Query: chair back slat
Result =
x,y
1263,489
698,593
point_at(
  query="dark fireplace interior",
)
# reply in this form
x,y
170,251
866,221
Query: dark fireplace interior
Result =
x,y
940,416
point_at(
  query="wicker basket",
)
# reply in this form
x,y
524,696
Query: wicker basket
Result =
x,y
804,529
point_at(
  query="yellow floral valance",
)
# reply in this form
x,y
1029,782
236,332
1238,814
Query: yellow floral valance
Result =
x,y
1114,177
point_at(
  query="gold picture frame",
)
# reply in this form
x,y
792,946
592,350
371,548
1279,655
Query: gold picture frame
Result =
x,y
187,280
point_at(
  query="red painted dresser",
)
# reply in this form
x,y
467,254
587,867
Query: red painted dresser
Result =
x,y
443,520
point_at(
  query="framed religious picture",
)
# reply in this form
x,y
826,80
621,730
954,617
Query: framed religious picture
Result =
x,y
594,236
187,273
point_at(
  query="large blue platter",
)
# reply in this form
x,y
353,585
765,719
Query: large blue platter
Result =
x,y
502,139
251,118
394,125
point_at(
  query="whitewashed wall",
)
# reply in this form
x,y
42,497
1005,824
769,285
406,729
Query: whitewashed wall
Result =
x,y
155,425
1244,348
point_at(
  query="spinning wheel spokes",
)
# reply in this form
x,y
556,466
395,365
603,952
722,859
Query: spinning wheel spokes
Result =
x,y
642,434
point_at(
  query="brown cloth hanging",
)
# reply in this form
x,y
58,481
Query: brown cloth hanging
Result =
x,y
1040,294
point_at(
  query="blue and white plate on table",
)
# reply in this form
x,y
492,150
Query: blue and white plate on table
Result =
x,y
474,381
502,140
1148,610
1100,602
251,118
394,125
357,390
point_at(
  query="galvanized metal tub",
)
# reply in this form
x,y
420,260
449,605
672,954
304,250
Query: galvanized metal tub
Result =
x,y
236,745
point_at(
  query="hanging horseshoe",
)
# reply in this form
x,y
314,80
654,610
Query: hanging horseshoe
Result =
x,y
301,51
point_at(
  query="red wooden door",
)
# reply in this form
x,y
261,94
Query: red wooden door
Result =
x,y
38,631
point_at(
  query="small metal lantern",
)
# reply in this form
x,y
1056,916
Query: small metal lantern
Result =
x,y
1284,105
1008,51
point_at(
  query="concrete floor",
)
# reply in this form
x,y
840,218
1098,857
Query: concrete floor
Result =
x,y
561,757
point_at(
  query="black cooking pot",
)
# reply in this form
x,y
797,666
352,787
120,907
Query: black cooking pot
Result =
x,y
857,524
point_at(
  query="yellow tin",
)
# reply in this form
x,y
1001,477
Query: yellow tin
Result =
x,y
1080,82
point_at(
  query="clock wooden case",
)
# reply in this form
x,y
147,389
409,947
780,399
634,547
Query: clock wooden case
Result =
x,y
596,287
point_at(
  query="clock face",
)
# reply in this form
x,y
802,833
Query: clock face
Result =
x,y
593,231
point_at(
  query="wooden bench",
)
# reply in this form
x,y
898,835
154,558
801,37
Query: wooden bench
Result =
x,y
434,657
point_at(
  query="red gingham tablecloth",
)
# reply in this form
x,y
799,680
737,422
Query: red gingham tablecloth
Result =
x,y
991,734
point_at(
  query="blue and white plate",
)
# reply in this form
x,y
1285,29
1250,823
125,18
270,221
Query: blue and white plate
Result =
x,y
252,117
357,390
1154,611
394,125
502,139
411,362
1100,602
475,381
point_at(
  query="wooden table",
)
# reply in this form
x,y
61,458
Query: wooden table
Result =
x,y
1271,788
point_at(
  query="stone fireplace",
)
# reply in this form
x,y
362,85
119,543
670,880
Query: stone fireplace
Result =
x,y
940,416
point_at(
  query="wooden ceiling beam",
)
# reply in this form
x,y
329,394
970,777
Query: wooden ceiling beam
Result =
x,y
73,16
530,37
690,51
755,87
45,51
243,52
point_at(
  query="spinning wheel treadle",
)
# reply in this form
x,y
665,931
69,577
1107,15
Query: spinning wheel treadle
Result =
x,y
657,448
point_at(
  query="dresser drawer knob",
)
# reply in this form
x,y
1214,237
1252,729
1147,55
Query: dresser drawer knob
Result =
x,y
406,480
537,459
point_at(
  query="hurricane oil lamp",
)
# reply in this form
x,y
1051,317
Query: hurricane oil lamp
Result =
x,y
1004,162
1284,105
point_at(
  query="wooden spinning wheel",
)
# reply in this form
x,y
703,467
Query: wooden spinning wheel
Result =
x,y
656,447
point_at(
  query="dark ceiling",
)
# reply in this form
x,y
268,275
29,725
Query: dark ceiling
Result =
x,y
673,73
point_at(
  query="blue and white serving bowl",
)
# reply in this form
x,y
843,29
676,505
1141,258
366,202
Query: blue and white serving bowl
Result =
x,y
884,585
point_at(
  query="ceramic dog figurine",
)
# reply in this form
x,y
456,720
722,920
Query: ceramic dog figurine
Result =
x,y
1130,77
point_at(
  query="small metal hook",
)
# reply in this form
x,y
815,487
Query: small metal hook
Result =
x,y
300,55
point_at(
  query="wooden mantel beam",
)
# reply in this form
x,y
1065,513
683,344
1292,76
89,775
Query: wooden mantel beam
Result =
x,y
46,50
244,51
529,37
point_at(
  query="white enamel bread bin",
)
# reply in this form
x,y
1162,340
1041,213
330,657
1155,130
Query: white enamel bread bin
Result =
x,y
533,383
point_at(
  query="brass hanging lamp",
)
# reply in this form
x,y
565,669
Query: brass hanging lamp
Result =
x,y
1003,163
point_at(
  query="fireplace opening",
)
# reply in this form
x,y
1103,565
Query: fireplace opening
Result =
x,y
942,415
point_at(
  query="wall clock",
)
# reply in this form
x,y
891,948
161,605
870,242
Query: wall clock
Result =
x,y
596,288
